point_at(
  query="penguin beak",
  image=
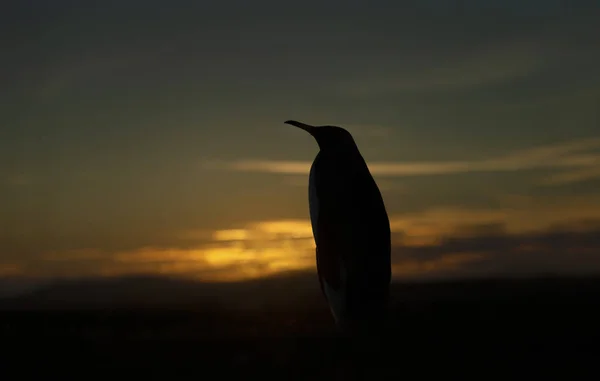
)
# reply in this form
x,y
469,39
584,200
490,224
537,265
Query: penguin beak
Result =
x,y
306,127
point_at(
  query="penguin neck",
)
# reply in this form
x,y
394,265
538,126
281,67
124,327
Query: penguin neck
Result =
x,y
343,150
342,156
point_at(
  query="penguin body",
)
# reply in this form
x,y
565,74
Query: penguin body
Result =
x,y
350,227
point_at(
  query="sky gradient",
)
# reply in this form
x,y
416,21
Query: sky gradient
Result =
x,y
146,137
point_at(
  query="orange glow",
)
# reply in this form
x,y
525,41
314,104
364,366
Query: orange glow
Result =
x,y
267,230
446,262
269,247
230,235
292,228
258,250
9,269
264,248
150,255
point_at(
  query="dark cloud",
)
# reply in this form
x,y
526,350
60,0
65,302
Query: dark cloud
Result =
x,y
562,250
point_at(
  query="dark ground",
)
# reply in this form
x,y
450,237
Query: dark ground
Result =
x,y
484,329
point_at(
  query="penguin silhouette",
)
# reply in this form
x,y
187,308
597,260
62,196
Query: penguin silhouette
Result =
x,y
351,230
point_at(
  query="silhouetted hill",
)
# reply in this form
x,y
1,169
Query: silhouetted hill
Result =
x,y
281,327
282,290
155,291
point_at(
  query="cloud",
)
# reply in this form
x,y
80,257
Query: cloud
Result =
x,y
553,251
477,250
419,267
579,175
76,254
524,216
442,241
251,251
579,155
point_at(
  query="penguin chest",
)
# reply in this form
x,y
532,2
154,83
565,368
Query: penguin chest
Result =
x,y
313,200
336,298
330,266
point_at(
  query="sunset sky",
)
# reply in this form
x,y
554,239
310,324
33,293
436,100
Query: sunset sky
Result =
x,y
148,137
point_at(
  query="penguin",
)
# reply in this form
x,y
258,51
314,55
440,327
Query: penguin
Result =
x,y
351,230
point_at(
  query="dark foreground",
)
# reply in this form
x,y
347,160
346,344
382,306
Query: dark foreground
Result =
x,y
516,329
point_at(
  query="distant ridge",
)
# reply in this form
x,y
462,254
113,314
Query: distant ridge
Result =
x,y
289,290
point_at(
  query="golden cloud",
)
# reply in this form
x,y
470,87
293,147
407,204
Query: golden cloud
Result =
x,y
264,248
256,250
569,155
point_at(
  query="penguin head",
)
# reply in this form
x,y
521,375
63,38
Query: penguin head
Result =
x,y
328,137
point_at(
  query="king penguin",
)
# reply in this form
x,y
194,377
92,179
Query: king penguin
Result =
x,y
351,230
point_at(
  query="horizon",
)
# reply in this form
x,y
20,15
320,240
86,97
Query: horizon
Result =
x,y
289,291
285,285
149,139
